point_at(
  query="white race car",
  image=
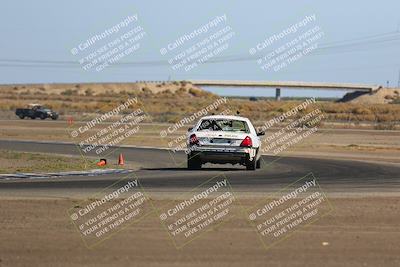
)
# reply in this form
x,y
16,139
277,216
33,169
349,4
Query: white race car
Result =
x,y
224,139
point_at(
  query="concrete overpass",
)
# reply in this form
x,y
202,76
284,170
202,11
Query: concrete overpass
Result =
x,y
289,84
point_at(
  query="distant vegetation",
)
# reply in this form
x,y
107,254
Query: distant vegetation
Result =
x,y
169,102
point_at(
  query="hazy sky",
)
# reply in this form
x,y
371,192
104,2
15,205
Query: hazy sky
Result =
x,y
361,39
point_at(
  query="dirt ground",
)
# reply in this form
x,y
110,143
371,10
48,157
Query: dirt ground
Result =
x,y
359,232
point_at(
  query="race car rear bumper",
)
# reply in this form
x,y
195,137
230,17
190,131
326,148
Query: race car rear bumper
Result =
x,y
222,156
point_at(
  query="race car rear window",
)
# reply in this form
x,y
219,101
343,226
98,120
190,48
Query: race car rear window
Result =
x,y
224,125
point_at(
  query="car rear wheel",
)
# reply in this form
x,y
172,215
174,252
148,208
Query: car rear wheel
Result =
x,y
251,165
32,118
193,162
21,117
42,117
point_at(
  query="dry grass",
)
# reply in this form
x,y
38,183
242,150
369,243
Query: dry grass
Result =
x,y
171,102
14,162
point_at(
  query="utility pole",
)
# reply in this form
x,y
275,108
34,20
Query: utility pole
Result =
x,y
398,81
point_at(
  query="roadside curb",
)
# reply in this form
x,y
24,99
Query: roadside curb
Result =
x,y
94,172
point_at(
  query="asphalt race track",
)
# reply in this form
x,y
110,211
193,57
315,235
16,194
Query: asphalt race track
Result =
x,y
160,172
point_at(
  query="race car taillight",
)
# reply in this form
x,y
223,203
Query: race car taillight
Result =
x,y
193,140
247,142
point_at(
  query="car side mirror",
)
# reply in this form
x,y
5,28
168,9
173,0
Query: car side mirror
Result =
x,y
190,129
260,133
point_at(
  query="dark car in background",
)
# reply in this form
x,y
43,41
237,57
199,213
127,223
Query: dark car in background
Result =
x,y
36,111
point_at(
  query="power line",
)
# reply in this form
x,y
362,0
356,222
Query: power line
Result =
x,y
349,45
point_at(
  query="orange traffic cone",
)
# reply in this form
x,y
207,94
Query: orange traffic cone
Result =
x,y
102,162
121,159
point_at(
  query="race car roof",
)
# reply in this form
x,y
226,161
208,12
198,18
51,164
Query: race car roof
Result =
x,y
225,117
